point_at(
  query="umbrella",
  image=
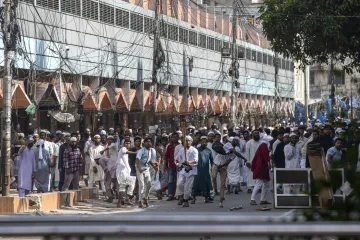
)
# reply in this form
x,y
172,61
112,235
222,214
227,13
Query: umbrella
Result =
x,y
63,117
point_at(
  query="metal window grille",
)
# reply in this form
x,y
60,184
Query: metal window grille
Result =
x,y
288,65
27,1
241,52
270,60
72,7
248,54
137,22
259,57
173,33
265,58
226,44
90,9
253,55
163,29
122,18
52,4
193,38
106,13
218,45
183,35
202,40
149,24
210,43
283,63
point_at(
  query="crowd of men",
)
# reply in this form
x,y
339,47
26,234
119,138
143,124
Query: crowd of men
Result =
x,y
129,165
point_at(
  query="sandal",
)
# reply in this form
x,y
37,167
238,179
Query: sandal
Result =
x,y
265,202
253,202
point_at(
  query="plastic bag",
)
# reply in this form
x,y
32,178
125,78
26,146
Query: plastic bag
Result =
x,y
164,180
156,185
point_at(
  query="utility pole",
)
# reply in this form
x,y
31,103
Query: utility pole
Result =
x,y
233,66
276,63
306,78
7,92
155,62
351,103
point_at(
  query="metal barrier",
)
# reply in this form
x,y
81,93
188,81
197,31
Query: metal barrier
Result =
x,y
169,224
299,177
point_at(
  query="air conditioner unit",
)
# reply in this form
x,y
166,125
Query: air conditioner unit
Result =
x,y
225,52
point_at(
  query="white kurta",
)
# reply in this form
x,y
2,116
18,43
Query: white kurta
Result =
x,y
93,152
292,156
192,155
27,166
251,148
87,146
233,169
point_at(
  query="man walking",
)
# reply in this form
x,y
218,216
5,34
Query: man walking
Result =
x,y
96,173
170,166
292,159
251,148
146,156
72,163
188,171
27,168
62,149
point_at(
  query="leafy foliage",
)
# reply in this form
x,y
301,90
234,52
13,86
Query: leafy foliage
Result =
x,y
314,31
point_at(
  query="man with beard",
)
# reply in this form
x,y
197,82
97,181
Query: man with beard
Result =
x,y
72,162
326,140
27,168
218,148
96,174
202,182
88,143
251,148
292,159
103,138
279,157
145,156
242,146
170,166
313,145
188,171
62,149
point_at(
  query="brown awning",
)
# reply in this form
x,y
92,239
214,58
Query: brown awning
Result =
x,y
19,98
89,102
121,104
134,102
104,100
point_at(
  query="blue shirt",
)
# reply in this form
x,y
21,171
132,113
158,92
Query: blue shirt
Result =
x,y
145,156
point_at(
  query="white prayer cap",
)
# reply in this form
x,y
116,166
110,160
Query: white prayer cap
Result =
x,y
21,135
58,132
97,135
179,132
204,128
196,132
292,134
286,135
30,139
188,138
201,129
231,138
87,130
42,131
102,132
164,135
130,130
73,139
237,128
191,127
211,133
339,130
110,137
301,123
67,134
111,129
35,135
225,129
217,132
203,137
225,135
295,128
98,156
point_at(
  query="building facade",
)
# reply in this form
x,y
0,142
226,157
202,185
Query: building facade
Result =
x,y
94,59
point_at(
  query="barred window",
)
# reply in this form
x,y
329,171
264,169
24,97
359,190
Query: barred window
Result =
x,y
287,65
183,35
283,64
122,18
241,52
248,54
52,4
173,33
149,24
202,40
72,7
226,44
210,43
265,58
163,29
218,45
259,57
270,60
193,38
253,55
27,1
106,14
136,22
90,10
